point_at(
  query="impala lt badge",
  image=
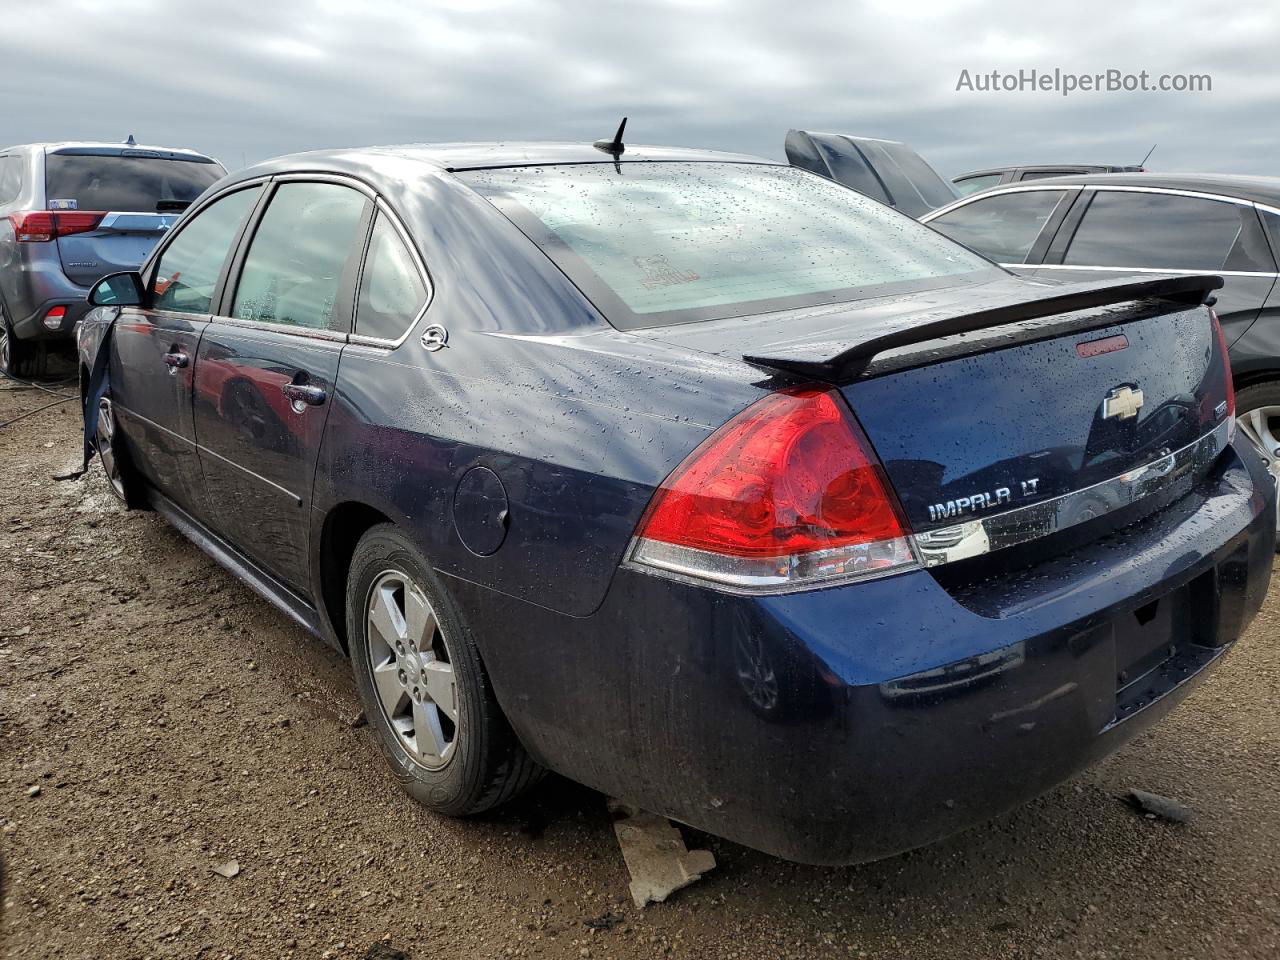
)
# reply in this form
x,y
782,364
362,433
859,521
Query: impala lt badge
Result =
x,y
1122,403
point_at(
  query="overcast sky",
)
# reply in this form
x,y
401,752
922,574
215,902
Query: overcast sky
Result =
x,y
248,79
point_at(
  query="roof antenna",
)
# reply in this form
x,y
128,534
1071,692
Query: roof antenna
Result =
x,y
1148,156
131,142
614,146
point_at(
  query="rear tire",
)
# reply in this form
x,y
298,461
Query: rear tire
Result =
x,y
1258,413
415,664
19,359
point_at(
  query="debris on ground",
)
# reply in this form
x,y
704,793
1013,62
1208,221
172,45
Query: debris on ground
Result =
x,y
228,869
606,921
359,720
655,854
1154,805
384,951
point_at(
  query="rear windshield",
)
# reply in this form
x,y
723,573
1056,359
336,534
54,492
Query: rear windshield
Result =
x,y
133,184
661,243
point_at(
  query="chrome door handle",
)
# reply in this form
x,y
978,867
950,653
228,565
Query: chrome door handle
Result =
x,y
301,393
176,359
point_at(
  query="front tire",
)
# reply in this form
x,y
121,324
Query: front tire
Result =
x,y
423,685
1258,414
123,480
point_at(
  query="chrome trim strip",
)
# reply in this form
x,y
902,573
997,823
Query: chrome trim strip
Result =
x,y
310,333
1105,187
994,191
1161,270
983,535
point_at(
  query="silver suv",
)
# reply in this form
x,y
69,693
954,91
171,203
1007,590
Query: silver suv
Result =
x,y
70,213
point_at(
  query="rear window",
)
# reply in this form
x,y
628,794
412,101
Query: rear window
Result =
x,y
660,243
133,184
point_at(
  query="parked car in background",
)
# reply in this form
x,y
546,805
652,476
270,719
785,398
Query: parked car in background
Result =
x,y
70,213
884,170
975,180
693,477
1092,227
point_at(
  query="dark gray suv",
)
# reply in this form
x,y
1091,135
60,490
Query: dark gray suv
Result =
x,y
71,213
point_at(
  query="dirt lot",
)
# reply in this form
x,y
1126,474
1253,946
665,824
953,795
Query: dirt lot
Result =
x,y
173,722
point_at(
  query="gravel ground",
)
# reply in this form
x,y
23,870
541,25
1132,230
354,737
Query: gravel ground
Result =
x,y
158,720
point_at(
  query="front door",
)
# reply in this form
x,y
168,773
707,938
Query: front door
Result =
x,y
266,369
155,347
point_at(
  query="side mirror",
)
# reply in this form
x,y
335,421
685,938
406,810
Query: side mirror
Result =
x,y
117,290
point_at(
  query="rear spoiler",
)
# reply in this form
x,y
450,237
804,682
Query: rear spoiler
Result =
x,y
853,359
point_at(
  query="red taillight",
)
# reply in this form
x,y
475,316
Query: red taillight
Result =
x,y
1226,364
37,226
786,494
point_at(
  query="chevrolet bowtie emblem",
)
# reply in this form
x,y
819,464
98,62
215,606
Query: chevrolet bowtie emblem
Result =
x,y
1122,403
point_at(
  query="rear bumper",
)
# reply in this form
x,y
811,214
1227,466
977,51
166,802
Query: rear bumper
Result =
x,y
33,286
847,724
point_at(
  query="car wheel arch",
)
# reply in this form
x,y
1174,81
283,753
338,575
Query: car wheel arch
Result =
x,y
344,524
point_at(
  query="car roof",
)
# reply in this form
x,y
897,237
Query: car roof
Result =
x,y
1257,189
481,155
57,146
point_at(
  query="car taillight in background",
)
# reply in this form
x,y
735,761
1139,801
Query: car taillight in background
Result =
x,y
53,319
786,495
37,226
1226,369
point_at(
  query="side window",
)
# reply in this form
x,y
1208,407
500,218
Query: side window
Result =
x,y
10,178
1044,174
1157,230
303,249
973,184
190,265
391,291
1004,227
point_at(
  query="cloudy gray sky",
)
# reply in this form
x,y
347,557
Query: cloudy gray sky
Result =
x,y
248,79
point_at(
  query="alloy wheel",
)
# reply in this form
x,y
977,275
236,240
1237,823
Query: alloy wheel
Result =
x,y
104,437
1260,426
6,358
412,669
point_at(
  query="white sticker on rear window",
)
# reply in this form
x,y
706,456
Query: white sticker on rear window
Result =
x,y
64,204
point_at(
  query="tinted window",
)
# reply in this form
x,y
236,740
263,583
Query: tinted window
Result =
x,y
301,251
1156,230
188,270
675,242
1003,226
138,184
391,291
973,184
1042,174
10,178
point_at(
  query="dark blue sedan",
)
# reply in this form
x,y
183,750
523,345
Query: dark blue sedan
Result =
x,y
693,477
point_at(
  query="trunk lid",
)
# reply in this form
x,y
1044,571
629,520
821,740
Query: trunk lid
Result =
x,y
120,242
982,400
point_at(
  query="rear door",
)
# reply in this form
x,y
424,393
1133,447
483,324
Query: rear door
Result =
x,y
1116,231
127,198
154,347
267,365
